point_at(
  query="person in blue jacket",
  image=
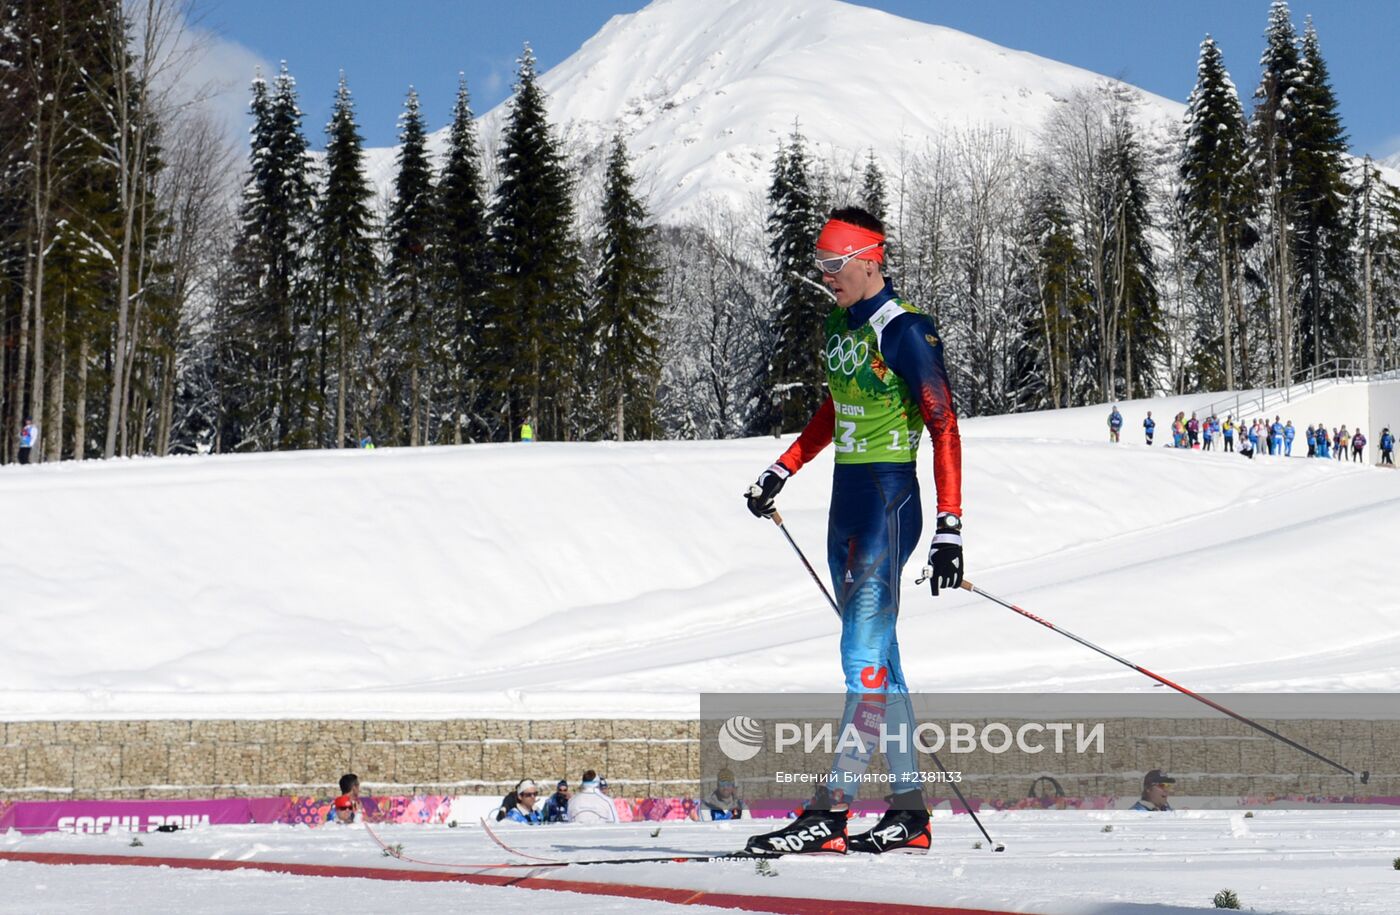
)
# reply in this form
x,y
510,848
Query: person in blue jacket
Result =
x,y
1207,433
1322,440
1229,431
523,810
28,438
556,808
1149,426
1254,436
1387,447
1276,446
1288,433
1115,423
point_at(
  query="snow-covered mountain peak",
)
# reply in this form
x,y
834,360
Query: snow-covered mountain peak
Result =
x,y
704,91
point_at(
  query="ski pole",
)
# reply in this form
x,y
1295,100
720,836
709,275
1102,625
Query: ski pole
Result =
x,y
996,846
778,520
1364,775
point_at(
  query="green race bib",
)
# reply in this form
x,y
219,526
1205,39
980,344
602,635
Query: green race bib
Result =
x,y
877,420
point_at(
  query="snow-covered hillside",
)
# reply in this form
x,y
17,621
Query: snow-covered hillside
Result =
x,y
705,90
606,579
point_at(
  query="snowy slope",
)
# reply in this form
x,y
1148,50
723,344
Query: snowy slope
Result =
x,y
705,90
604,579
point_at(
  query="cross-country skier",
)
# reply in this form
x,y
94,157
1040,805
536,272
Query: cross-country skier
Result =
x,y
887,381
1149,426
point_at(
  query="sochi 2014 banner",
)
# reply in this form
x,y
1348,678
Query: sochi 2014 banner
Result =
x,y
122,816
303,810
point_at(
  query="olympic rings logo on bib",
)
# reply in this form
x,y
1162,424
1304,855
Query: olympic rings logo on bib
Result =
x,y
845,354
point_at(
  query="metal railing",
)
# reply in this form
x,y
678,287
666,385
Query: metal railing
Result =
x,y
1307,381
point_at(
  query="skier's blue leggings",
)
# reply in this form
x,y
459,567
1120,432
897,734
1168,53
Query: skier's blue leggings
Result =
x,y
872,530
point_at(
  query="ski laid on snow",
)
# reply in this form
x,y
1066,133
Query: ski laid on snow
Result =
x,y
537,861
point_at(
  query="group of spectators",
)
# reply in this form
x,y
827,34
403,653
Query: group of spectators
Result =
x,y
591,803
1260,436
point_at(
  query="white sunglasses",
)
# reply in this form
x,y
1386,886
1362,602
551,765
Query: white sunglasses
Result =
x,y
834,265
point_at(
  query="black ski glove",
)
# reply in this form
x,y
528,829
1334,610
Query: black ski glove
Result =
x,y
945,555
768,485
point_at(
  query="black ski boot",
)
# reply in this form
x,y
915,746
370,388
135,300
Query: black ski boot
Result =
x,y
904,828
817,829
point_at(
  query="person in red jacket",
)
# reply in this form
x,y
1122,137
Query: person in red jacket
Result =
x,y
887,382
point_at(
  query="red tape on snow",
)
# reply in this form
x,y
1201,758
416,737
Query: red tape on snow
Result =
x,y
782,905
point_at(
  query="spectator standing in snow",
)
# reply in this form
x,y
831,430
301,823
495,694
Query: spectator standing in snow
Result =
x,y
1254,436
1387,448
1358,447
724,802
527,432
1340,442
1312,441
556,808
1276,437
1288,434
1179,431
589,804
1323,440
367,443
1207,433
1193,430
1155,785
1115,423
1229,432
1149,426
28,438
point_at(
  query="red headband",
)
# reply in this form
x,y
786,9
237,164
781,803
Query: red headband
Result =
x,y
845,237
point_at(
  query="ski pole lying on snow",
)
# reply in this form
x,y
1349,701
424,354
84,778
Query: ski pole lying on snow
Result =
x,y
1364,775
778,520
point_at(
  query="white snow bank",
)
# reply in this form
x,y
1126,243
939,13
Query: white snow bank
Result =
x,y
604,579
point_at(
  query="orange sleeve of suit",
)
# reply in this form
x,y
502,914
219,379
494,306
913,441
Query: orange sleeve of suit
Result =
x,y
813,439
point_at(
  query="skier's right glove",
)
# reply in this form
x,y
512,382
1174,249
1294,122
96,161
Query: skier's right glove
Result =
x,y
768,485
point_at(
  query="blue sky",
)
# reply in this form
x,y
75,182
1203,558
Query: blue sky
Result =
x,y
385,46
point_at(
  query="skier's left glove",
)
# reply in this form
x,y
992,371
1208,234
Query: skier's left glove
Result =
x,y
945,555
765,488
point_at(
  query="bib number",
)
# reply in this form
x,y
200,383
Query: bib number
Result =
x,y
846,441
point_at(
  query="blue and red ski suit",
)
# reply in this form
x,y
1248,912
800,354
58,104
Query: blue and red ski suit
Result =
x,y
875,522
